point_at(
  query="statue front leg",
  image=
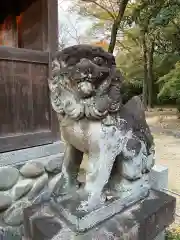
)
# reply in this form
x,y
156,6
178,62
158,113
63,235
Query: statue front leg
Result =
x,y
70,169
102,156
97,176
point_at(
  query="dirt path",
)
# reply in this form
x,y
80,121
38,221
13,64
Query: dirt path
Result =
x,y
165,127
168,154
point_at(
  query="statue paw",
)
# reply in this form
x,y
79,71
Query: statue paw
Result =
x,y
64,187
89,202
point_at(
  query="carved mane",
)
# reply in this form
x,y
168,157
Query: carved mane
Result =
x,y
85,83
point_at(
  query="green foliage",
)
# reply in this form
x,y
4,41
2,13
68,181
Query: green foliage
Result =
x,y
101,13
164,63
159,23
170,83
173,234
129,90
131,65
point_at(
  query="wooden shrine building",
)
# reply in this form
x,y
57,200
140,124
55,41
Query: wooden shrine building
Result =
x,y
28,38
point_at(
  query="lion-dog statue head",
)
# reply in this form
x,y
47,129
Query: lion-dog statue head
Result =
x,y
85,77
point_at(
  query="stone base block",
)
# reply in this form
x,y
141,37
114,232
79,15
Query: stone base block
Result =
x,y
81,221
142,221
11,233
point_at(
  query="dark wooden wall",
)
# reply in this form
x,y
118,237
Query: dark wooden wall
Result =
x,y
23,97
34,26
26,116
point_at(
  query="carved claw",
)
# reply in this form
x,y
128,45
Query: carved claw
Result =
x,y
90,202
63,187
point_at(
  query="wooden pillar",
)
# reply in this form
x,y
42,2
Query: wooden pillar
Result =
x,y
53,47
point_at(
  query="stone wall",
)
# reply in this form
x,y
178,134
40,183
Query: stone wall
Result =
x,y
20,186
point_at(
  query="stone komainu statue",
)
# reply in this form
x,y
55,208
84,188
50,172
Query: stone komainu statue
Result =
x,y
86,94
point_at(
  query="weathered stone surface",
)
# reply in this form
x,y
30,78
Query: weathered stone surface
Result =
x,y
42,227
81,220
32,169
27,154
8,177
36,211
54,182
142,221
39,185
10,233
5,201
44,196
21,188
82,176
54,165
14,215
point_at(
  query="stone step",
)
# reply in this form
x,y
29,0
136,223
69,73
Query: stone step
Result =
x,y
19,157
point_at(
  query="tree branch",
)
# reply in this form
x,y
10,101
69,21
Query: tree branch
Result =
x,y
101,6
110,2
74,27
115,26
123,46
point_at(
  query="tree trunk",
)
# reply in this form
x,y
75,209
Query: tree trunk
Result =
x,y
116,24
150,75
145,79
114,31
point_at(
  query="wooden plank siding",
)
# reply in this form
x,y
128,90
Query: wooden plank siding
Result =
x,y
24,98
26,116
23,55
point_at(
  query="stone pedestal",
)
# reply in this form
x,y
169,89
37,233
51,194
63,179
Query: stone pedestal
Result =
x,y
159,181
142,221
82,221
